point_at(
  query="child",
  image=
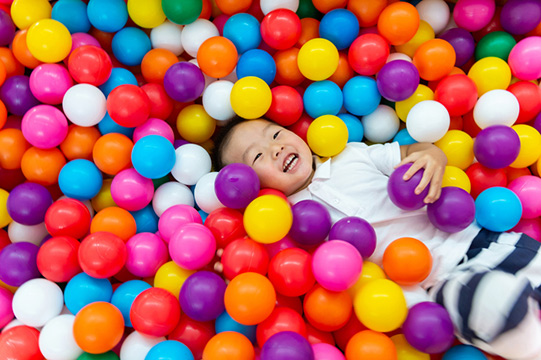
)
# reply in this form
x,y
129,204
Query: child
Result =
x,y
487,281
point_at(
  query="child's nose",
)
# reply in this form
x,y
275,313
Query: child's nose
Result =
x,y
276,150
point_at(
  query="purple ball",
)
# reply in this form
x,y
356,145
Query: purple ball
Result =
x,y
7,29
462,41
16,95
202,296
28,202
520,16
287,345
311,222
18,263
453,211
184,81
402,193
537,122
356,231
397,80
236,185
428,328
496,146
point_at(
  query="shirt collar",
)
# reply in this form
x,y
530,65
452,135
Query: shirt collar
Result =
x,y
322,172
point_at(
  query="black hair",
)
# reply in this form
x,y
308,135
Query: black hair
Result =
x,y
221,139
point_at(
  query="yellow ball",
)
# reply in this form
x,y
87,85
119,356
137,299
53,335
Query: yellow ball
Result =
x,y
267,219
458,146
318,59
423,34
103,199
370,272
251,97
380,305
5,219
26,12
422,93
490,73
456,177
146,13
49,40
404,351
171,277
194,124
327,135
530,146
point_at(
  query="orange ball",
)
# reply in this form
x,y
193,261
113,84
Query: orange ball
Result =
x,y
12,147
98,327
343,72
327,310
287,69
12,65
325,6
217,57
367,11
115,220
230,7
112,153
407,261
398,22
434,59
21,52
3,112
79,142
370,345
249,298
309,31
229,345
42,166
3,73
155,63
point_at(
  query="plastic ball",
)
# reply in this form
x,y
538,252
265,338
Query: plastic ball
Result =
x,y
464,352
192,246
527,95
90,64
216,100
404,349
146,150
102,254
21,341
146,252
318,59
356,231
281,319
56,338
229,345
458,147
217,56
82,290
424,33
453,211
169,349
485,113
407,261
454,176
130,45
530,150
112,153
526,187
434,59
422,93
169,194
462,42
27,203
184,81
174,217
397,80
37,301
355,127
424,128
68,217
137,345
6,311
498,209
80,179
237,185
370,344
155,312
244,255
497,146
108,16
402,192
128,105
327,135
490,73
326,351
84,104
124,296
167,36
224,323
57,259
119,76
171,277
322,98
243,30
257,62
497,44
458,93
287,345
368,53
226,224
473,15
398,22
251,97
311,222
268,219
205,193
48,40
16,95
202,296
290,272
381,125
287,105
523,59
49,83
336,265
182,13
327,310
341,19
131,191
361,105
195,33
194,124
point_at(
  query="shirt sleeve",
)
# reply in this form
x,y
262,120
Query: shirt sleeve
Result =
x,y
384,156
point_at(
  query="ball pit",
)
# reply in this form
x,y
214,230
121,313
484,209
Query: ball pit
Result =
x,y
119,240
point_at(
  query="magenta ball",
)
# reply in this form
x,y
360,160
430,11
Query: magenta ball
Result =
x,y
237,185
397,80
324,351
154,126
16,95
131,191
525,58
311,222
81,39
28,202
49,83
473,15
528,190
18,263
44,126
6,311
146,253
184,81
402,192
356,231
453,211
496,146
428,328
192,246
176,216
520,16
202,296
530,227
336,265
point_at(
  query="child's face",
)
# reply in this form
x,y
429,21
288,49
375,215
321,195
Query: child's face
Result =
x,y
280,158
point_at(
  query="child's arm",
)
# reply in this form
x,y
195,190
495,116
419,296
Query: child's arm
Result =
x,y
432,159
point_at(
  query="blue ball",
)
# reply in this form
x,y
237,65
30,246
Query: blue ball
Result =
x,y
339,26
322,98
355,127
361,95
258,63
464,352
107,15
80,179
203,214
119,76
146,219
403,137
124,296
130,45
108,125
153,156
169,350
498,209
225,322
71,13
243,30
82,290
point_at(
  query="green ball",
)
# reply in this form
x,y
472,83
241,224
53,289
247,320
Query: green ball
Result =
x,y
307,9
182,12
497,44
109,355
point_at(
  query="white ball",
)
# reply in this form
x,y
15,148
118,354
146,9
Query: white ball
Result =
x,y
216,100
137,345
37,301
27,233
428,121
192,162
496,107
167,36
434,12
205,193
169,194
194,34
381,125
232,76
268,5
84,104
398,56
56,339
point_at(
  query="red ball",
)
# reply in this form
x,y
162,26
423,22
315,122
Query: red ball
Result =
x,y
301,126
20,342
482,178
155,312
290,272
529,99
90,64
281,319
4,239
292,302
368,53
194,334
102,254
128,105
316,336
57,259
68,217
226,225
161,105
286,106
458,93
281,29
243,255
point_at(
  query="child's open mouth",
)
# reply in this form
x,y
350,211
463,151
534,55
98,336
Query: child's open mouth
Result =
x,y
290,162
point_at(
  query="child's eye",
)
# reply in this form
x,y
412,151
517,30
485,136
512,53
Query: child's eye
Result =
x,y
256,157
276,134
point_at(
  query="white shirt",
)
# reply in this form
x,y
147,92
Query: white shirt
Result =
x,y
354,183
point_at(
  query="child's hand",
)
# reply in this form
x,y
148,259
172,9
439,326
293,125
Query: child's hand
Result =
x,y
430,158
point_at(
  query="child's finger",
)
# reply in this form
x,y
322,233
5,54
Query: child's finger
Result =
x,y
425,180
415,166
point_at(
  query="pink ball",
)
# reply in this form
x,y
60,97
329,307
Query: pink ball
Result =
x,y
473,15
146,253
176,216
336,265
6,311
49,83
525,58
80,39
192,246
528,190
530,227
154,126
131,191
44,126
324,351
285,243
